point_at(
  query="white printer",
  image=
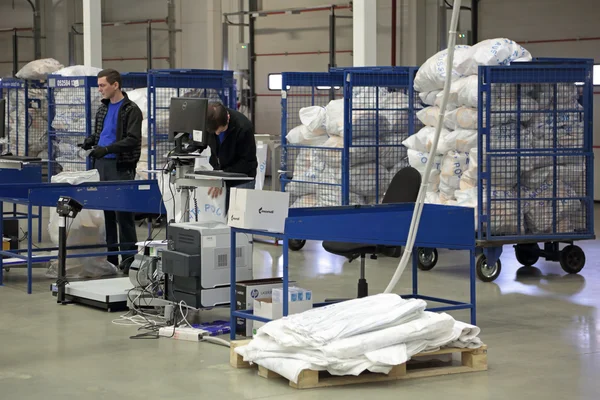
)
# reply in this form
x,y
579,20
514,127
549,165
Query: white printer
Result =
x,y
197,263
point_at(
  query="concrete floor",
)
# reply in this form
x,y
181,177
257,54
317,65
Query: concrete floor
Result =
x,y
541,327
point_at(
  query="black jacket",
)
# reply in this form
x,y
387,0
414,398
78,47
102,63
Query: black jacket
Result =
x,y
128,145
237,153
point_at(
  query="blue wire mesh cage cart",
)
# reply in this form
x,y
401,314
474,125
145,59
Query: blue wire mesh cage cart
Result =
x,y
166,84
531,174
25,117
72,105
307,150
380,106
342,133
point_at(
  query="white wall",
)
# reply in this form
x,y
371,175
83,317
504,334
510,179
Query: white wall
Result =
x,y
18,17
534,20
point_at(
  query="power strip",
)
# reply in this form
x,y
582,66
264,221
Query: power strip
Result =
x,y
183,333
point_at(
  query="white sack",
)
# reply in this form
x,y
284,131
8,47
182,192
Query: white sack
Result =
x,y
429,115
363,151
429,97
419,141
331,196
39,69
539,213
78,70
363,178
418,160
313,118
334,117
394,108
469,179
309,200
301,135
566,96
500,51
573,175
454,164
140,98
85,229
432,74
461,118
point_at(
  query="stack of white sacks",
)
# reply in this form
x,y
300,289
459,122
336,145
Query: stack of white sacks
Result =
x,y
36,122
322,129
453,179
374,333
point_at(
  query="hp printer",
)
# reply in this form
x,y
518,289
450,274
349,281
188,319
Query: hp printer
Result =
x,y
197,263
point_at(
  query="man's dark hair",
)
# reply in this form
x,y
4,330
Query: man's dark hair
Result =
x,y
216,116
111,76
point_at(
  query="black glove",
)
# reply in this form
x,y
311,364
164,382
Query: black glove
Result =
x,y
87,144
99,152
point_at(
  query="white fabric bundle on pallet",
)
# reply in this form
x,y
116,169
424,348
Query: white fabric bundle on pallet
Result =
x,y
374,333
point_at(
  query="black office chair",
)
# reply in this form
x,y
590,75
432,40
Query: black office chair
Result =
x,y
404,188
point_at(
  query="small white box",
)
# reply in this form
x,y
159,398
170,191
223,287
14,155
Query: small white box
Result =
x,y
258,209
294,294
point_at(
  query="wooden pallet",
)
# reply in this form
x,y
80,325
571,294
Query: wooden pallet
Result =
x,y
472,360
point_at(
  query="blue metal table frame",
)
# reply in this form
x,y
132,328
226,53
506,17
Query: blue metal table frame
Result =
x,y
141,196
379,225
14,172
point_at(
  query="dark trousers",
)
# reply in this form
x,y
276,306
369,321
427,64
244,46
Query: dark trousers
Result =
x,y
127,234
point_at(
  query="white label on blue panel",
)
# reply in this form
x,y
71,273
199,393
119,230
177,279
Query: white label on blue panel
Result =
x,y
144,187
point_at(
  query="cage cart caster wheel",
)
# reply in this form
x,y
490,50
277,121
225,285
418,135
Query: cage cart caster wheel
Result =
x,y
527,254
393,252
295,244
572,259
485,272
428,258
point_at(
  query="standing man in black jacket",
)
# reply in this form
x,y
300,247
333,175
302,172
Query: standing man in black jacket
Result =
x,y
116,144
232,147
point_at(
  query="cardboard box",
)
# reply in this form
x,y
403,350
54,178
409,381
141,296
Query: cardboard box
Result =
x,y
258,209
268,308
245,294
5,244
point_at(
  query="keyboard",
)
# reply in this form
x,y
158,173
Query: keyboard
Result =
x,y
221,174
20,158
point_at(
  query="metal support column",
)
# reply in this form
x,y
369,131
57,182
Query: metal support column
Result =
x,y
474,20
172,31
149,45
72,47
364,31
15,45
37,30
332,63
252,66
92,33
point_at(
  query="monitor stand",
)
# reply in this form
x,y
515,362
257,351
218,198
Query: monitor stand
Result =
x,y
179,145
